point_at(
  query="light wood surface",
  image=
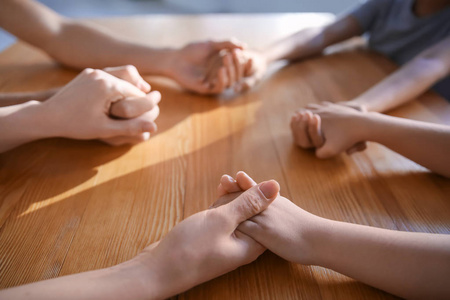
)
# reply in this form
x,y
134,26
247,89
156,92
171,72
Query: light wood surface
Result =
x,y
71,206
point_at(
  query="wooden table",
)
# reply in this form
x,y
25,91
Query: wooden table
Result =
x,y
72,206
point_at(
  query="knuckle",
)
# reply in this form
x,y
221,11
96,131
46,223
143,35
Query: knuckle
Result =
x,y
252,203
96,73
130,68
87,71
102,81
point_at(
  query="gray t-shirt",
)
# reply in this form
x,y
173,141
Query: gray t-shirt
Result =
x,y
395,31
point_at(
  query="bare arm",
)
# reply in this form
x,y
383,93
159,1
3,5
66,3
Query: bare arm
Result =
x,y
305,43
22,123
74,43
333,129
312,41
410,81
79,44
407,264
425,143
130,280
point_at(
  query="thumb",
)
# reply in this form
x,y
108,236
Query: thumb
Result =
x,y
252,201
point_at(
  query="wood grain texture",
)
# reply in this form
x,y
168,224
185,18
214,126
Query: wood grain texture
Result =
x,y
71,206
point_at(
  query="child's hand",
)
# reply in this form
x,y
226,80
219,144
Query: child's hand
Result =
x,y
191,65
83,108
283,228
237,69
255,70
226,70
207,245
330,128
132,108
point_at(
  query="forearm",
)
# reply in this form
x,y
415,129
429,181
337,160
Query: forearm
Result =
x,y
312,41
425,143
80,45
7,99
126,281
409,265
407,83
23,123
302,44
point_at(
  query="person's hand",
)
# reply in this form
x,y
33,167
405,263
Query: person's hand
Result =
x,y
330,128
283,228
83,109
237,69
226,70
207,245
192,63
129,108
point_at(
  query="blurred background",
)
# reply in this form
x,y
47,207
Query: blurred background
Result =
x,y
91,8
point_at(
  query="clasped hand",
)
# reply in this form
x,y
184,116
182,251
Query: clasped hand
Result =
x,y
246,219
114,105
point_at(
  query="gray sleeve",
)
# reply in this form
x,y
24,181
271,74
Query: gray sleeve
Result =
x,y
367,12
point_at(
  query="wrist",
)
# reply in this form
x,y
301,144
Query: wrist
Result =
x,y
142,277
269,56
375,127
370,125
35,120
319,241
161,275
366,104
166,61
315,235
148,60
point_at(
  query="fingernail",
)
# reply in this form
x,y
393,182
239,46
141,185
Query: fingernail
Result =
x,y
146,136
268,189
156,95
150,127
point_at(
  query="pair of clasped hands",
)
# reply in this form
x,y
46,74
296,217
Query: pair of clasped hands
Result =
x,y
246,219
116,105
